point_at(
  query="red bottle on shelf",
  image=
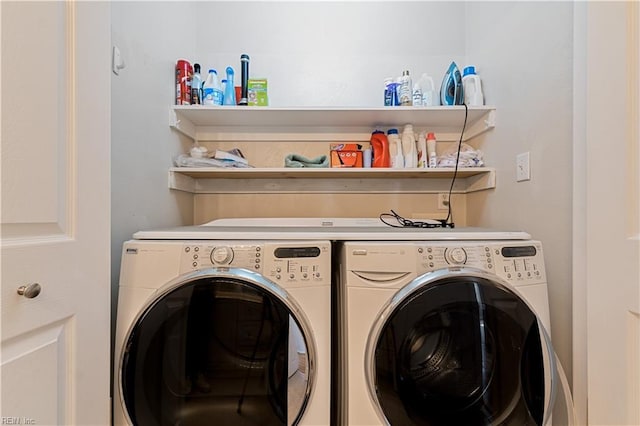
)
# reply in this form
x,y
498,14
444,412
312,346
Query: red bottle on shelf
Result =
x,y
380,146
184,71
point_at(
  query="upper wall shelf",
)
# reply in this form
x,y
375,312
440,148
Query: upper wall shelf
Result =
x,y
241,123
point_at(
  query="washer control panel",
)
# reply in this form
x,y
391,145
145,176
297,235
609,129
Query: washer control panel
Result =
x,y
515,261
291,262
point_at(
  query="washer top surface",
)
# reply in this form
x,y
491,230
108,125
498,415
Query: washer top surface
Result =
x,y
340,229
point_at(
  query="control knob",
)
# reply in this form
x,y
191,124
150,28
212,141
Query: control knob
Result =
x,y
221,255
456,256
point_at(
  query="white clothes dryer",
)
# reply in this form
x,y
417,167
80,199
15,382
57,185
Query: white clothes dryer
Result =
x,y
223,332
448,333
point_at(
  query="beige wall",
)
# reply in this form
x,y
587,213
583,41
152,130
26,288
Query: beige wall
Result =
x,y
214,206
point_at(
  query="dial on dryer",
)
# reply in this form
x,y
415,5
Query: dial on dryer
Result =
x,y
221,255
455,256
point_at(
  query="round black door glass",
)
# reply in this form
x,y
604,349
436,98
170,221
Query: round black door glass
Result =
x,y
460,351
216,351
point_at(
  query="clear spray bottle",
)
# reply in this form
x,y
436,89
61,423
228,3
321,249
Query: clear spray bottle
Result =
x,y
229,89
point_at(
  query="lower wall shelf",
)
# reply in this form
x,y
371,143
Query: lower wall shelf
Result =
x,y
328,180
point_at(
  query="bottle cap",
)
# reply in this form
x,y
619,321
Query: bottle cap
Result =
x,y
214,71
469,70
196,67
392,131
377,132
431,136
244,57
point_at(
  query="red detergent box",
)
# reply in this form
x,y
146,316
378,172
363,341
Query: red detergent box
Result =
x,y
346,155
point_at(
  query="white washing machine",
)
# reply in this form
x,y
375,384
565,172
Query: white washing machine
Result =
x,y
448,332
223,332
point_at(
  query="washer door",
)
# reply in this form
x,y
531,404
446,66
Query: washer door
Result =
x,y
223,347
459,348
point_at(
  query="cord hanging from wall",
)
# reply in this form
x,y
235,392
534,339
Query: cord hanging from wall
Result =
x,y
401,222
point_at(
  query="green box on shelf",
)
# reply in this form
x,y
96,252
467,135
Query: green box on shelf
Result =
x,y
257,92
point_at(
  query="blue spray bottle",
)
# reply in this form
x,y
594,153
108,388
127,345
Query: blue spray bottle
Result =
x,y
229,89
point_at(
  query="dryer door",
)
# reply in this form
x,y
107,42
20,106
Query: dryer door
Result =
x,y
224,347
459,348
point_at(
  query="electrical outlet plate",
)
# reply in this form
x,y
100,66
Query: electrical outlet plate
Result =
x,y
443,201
523,170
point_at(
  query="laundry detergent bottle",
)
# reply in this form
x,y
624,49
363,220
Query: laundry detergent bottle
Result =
x,y
408,139
380,145
395,149
472,87
429,92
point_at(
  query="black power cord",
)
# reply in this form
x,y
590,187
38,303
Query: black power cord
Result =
x,y
435,223
407,223
455,172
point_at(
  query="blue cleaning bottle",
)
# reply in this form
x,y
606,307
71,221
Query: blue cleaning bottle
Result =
x,y
229,89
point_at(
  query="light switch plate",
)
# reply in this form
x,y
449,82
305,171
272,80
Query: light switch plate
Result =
x,y
523,168
117,63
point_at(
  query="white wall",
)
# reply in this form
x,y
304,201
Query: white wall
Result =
x,y
329,53
524,54
151,36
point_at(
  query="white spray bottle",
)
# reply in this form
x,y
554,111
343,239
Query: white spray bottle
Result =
x,y
423,156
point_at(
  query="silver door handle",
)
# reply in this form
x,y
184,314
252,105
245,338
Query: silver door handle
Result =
x,y
30,291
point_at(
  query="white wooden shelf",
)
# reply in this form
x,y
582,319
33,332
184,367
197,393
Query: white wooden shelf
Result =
x,y
328,180
243,123
325,124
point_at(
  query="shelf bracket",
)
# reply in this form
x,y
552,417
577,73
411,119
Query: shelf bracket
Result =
x,y
182,182
485,124
182,125
481,182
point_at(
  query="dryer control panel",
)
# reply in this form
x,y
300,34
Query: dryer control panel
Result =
x,y
207,254
519,262
290,262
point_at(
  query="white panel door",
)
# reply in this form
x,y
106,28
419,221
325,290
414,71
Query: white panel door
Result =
x,y
607,193
55,122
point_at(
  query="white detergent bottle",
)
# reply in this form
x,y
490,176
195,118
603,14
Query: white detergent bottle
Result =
x,y
429,94
395,149
409,147
472,87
